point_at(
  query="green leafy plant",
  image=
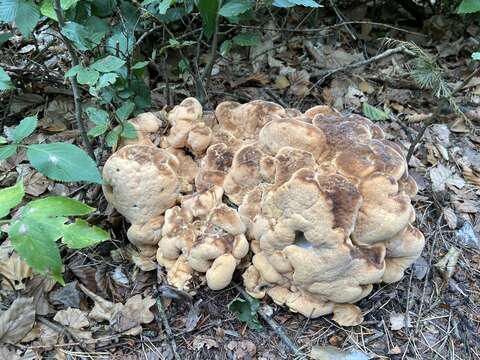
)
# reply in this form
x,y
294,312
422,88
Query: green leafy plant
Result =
x,y
374,113
469,6
58,161
246,311
36,227
5,81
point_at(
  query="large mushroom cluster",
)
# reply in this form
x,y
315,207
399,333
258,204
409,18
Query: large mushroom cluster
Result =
x,y
321,200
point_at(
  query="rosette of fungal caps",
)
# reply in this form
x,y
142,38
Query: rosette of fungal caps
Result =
x,y
314,208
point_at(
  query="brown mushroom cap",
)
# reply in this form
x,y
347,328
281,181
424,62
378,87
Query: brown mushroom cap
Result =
x,y
324,202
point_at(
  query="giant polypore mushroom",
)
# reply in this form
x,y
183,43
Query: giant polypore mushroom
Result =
x,y
322,200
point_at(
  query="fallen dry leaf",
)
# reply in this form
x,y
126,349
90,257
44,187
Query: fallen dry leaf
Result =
x,y
332,353
38,287
446,265
442,176
16,270
135,312
143,262
347,315
17,321
397,321
103,310
244,349
73,318
450,217
67,295
7,354
204,341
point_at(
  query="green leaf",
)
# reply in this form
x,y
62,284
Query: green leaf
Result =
x,y
124,111
80,235
208,11
164,6
26,15
7,150
97,29
10,197
468,6
34,240
226,47
125,41
108,64
112,137
97,116
73,71
3,140
87,76
235,8
54,206
476,56
129,131
106,79
5,81
63,162
8,10
79,35
97,130
246,311
4,37
24,129
140,65
47,7
246,39
373,113
291,3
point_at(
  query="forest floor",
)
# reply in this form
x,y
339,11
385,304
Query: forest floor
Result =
x,y
432,313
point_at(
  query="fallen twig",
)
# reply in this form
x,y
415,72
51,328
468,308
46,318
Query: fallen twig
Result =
x,y
275,327
167,328
73,80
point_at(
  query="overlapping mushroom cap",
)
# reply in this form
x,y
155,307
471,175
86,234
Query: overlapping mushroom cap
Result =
x,y
322,200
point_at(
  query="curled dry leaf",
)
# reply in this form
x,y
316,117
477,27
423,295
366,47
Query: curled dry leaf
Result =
x,y
16,270
103,310
204,341
68,296
135,312
242,349
73,318
447,264
333,353
397,321
17,321
347,315
450,217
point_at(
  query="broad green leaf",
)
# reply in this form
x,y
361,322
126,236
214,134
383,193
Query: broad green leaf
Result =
x,y
97,116
27,17
291,3
79,34
468,6
124,111
106,79
11,197
5,81
7,150
164,5
4,37
140,65
476,56
87,76
226,47
98,130
373,113
246,311
235,8
81,234
3,140
108,64
63,162
47,7
34,240
246,39
129,131
208,11
103,7
24,129
73,71
54,206
97,29
112,137
122,40
8,10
